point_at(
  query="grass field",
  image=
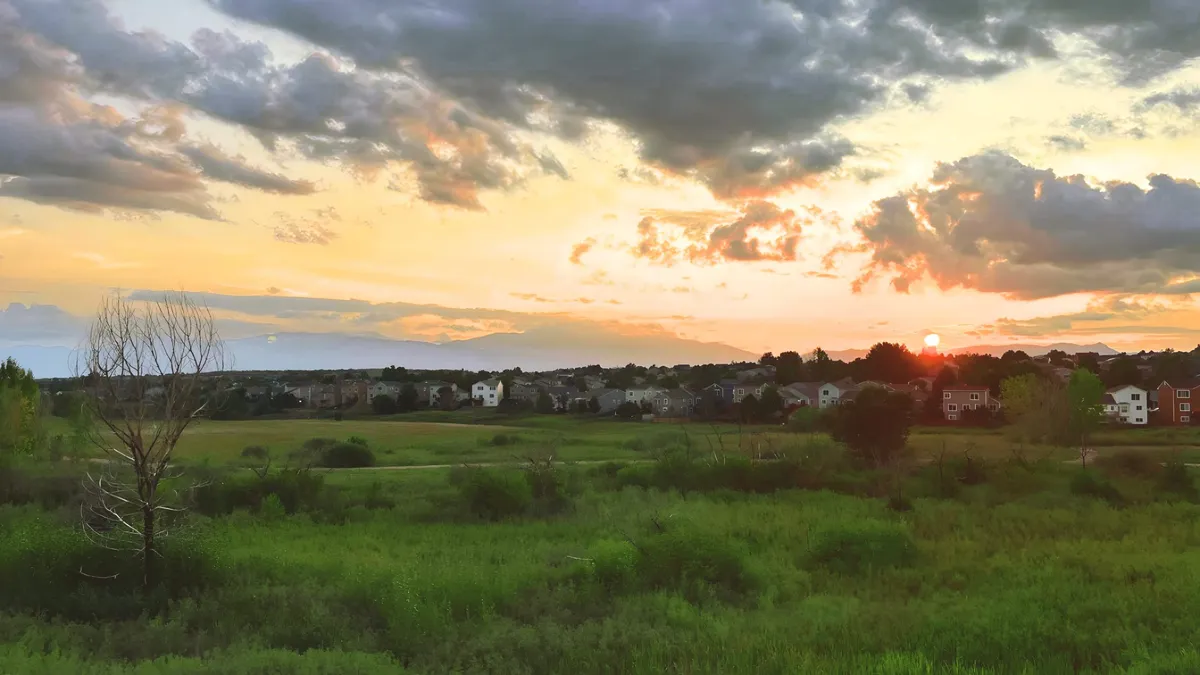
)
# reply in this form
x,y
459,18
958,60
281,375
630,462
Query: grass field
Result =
x,y
440,438
1003,568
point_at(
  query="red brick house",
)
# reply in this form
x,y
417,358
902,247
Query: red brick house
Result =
x,y
958,398
1175,401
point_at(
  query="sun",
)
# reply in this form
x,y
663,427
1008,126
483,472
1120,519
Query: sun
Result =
x,y
932,340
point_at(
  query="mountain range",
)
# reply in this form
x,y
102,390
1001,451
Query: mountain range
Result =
x,y
546,348
538,349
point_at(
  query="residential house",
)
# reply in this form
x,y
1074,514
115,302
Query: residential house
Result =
x,y
642,394
801,394
488,393
609,399
674,403
833,393
959,398
429,391
1128,404
743,389
562,396
524,392
1175,401
391,389
767,372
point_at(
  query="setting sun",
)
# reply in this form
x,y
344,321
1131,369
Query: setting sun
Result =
x,y
932,340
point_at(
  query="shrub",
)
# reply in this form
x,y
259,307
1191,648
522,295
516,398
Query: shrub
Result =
x,y
272,508
688,560
346,456
971,471
496,494
1086,484
295,489
337,416
807,419
1131,463
1176,479
548,487
852,548
502,439
357,440
613,563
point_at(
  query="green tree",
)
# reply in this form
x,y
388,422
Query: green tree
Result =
x,y
770,405
875,425
1036,408
20,428
384,405
594,405
545,404
1088,361
890,362
407,401
1085,394
821,367
767,359
1123,370
789,368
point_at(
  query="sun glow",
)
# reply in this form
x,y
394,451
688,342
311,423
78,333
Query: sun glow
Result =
x,y
932,340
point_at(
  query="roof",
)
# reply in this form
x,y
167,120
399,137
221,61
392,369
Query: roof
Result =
x,y
492,382
805,389
1189,383
965,387
844,383
1108,400
1113,390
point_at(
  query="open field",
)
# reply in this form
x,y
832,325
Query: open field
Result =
x,y
1011,575
440,438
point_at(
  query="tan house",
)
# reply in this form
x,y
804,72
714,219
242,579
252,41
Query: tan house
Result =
x,y
960,398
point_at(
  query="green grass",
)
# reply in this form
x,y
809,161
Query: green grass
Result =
x,y
1014,576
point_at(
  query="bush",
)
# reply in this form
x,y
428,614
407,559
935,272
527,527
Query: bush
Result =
x,y
971,471
295,489
495,494
548,488
1176,479
690,560
807,419
869,544
1086,484
346,456
357,440
613,563
1131,463
502,439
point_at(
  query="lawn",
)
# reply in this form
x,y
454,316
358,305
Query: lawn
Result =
x,y
1012,574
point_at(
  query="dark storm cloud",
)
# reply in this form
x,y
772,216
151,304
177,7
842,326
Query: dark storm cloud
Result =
x,y
219,166
996,225
38,324
1185,99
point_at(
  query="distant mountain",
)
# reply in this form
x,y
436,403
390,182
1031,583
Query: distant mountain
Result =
x,y
996,350
538,349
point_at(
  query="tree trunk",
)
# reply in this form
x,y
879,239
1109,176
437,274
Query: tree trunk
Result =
x,y
148,551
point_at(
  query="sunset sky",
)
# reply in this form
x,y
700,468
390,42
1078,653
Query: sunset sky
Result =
x,y
767,174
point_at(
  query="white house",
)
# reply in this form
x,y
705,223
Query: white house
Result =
x,y
489,393
1129,404
831,393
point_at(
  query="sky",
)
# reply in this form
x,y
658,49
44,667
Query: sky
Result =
x,y
768,174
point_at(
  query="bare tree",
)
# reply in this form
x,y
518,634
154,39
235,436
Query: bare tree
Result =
x,y
144,367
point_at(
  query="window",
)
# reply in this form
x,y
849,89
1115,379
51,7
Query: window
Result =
x,y
952,417
1135,397
1183,393
1139,420
740,392
974,397
1185,419
1124,407
946,395
952,407
1139,408
824,392
993,406
1185,407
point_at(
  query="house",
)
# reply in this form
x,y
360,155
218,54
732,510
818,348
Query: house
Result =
x,y
429,391
1127,404
833,393
1175,401
562,396
643,394
674,403
756,373
608,399
391,389
959,398
801,394
743,389
488,393
523,392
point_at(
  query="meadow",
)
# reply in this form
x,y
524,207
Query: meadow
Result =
x,y
681,563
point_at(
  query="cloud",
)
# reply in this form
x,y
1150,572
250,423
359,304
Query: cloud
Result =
x,y
737,95
1066,143
1184,99
219,166
294,230
39,324
990,223
762,231
578,250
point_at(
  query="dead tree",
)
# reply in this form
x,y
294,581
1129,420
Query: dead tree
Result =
x,y
145,366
